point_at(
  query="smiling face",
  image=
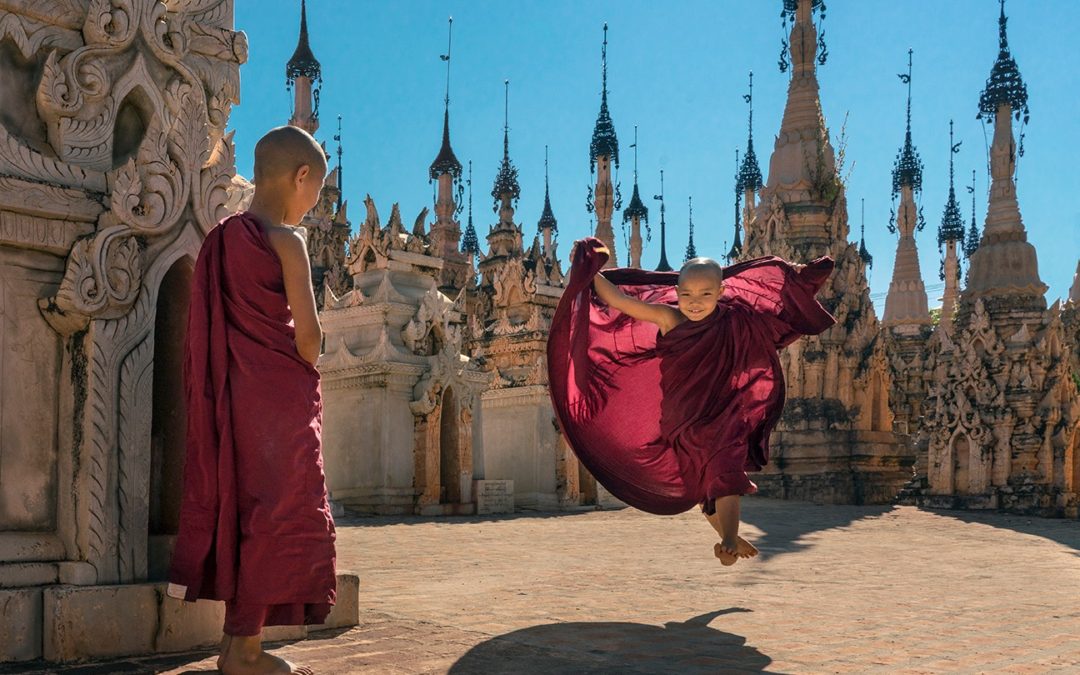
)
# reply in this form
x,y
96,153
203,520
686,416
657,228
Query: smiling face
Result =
x,y
699,292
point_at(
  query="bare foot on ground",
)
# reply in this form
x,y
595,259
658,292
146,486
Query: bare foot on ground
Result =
x,y
727,553
232,663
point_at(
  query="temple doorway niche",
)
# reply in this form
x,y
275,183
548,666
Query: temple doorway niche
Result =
x,y
961,458
132,120
449,450
168,428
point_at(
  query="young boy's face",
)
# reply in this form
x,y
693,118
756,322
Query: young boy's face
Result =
x,y
698,295
306,186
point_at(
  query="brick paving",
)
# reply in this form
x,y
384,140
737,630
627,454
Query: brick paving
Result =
x,y
837,589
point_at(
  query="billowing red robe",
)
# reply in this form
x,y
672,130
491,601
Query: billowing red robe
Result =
x,y
255,523
669,422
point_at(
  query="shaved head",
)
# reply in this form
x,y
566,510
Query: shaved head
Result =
x,y
702,267
284,150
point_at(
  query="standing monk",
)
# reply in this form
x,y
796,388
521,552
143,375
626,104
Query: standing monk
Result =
x,y
255,524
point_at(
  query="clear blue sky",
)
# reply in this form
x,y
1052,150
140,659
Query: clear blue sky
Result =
x,y
678,71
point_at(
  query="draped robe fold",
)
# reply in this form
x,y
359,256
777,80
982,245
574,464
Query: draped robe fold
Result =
x,y
255,523
669,422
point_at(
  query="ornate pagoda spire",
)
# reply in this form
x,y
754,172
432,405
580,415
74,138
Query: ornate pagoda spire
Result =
x,y
446,171
971,244
604,199
470,245
1005,264
908,168
547,224
664,265
864,252
303,75
748,180
636,213
802,168
736,241
691,250
506,190
950,234
906,303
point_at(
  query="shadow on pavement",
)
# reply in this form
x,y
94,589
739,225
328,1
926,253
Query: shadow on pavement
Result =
x,y
616,647
1064,531
785,523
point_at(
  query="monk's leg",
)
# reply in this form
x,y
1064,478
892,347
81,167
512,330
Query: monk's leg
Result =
x,y
725,520
242,652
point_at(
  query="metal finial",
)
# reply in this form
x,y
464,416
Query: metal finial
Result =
x,y
506,118
907,170
603,63
691,250
340,170
749,98
664,265
446,57
634,146
907,80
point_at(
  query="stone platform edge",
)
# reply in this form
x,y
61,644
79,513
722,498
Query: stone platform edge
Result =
x,y
62,623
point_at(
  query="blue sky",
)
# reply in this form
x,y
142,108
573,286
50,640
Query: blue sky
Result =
x,y
678,71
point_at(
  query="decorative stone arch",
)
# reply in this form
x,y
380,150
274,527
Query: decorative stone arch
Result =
x,y
959,457
443,438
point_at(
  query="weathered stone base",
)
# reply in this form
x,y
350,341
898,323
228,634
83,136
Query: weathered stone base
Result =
x,y
73,623
1024,500
375,501
836,467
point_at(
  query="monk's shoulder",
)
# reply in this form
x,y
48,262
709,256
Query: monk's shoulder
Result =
x,y
287,241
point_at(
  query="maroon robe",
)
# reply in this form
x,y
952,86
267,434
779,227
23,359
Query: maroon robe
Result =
x,y
255,523
669,422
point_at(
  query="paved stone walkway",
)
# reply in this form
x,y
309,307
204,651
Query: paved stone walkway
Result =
x,y
836,590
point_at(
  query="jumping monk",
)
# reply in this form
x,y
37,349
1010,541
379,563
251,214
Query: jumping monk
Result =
x,y
667,385
255,524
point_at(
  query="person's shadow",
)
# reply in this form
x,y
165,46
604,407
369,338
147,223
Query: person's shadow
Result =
x,y
615,647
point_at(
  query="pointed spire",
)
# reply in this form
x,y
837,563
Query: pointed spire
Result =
x,y
547,217
303,62
952,223
1005,86
604,141
908,169
446,161
470,244
303,76
636,207
506,182
736,243
340,181
971,244
664,265
749,174
864,253
691,250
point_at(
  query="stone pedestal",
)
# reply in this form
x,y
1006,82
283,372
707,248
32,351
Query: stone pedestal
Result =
x,y
494,496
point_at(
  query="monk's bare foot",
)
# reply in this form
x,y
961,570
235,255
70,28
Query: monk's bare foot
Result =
x,y
226,640
234,663
727,553
745,549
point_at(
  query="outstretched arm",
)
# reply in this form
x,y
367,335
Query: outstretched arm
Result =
x,y
662,315
292,250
